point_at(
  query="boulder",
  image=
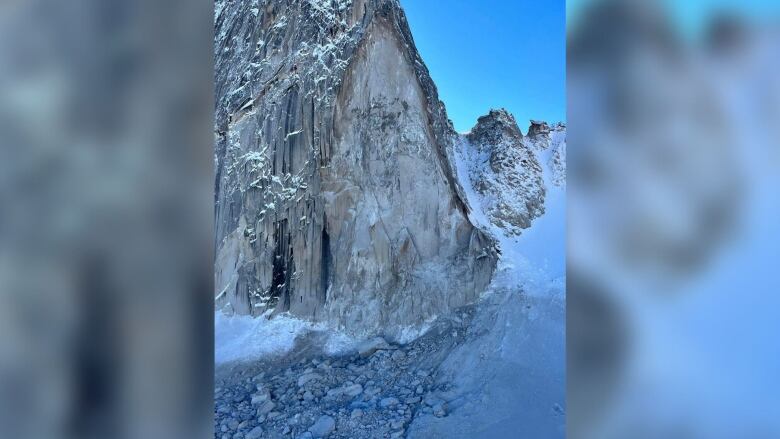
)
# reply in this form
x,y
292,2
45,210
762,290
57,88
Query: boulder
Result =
x,y
323,427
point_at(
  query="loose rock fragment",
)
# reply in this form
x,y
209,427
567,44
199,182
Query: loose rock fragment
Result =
x,y
323,427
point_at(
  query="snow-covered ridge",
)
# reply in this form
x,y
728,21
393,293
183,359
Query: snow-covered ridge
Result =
x,y
507,174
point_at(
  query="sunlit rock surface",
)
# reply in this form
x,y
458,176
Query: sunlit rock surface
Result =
x,y
335,195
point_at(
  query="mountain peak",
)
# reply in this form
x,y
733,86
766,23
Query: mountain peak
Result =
x,y
494,127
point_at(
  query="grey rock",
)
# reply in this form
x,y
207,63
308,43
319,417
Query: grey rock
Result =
x,y
307,377
399,356
327,122
511,181
266,407
431,400
261,397
323,427
388,402
353,390
274,415
369,347
372,391
440,410
539,134
412,400
255,433
356,413
398,423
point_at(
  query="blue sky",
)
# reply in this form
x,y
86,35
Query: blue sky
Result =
x,y
492,54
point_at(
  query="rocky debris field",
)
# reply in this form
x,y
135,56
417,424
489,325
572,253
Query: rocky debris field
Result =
x,y
375,391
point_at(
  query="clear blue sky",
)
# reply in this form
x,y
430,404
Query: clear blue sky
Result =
x,y
486,54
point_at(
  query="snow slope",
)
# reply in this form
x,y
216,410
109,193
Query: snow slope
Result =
x,y
509,379
243,338
539,254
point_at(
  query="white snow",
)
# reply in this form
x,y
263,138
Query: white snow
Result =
x,y
537,258
246,338
339,342
292,134
411,333
518,360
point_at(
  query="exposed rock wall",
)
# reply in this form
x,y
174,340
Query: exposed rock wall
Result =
x,y
505,172
335,197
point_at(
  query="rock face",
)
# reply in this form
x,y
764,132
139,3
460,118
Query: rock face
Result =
x,y
335,195
505,171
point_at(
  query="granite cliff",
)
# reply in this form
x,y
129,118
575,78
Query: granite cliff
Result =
x,y
335,194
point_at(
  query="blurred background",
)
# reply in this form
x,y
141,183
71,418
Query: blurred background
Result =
x,y
106,200
674,208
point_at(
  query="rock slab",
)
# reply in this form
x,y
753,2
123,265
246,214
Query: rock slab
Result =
x,y
323,427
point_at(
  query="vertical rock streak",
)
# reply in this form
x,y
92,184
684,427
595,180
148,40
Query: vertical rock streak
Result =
x,y
334,184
